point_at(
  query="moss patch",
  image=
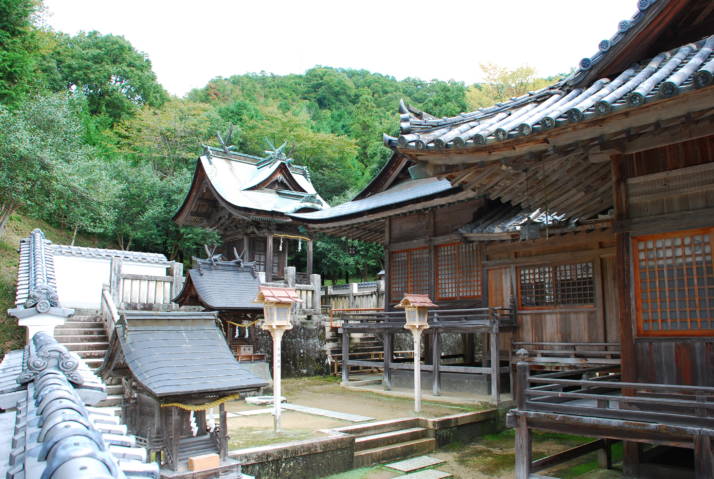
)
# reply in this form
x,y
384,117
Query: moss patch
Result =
x,y
254,437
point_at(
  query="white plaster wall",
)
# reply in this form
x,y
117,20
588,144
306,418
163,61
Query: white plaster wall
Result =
x,y
80,279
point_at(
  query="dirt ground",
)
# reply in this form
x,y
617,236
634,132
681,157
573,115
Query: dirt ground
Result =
x,y
323,393
492,457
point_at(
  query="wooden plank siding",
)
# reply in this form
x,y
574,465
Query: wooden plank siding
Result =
x,y
668,189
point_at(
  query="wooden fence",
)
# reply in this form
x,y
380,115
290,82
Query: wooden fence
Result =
x,y
142,292
354,295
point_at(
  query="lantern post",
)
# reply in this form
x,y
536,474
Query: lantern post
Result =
x,y
277,311
416,309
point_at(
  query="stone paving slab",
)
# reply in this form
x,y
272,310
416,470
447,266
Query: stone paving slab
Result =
x,y
415,463
325,412
427,474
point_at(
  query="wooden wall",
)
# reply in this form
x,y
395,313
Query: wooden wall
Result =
x,y
666,189
597,323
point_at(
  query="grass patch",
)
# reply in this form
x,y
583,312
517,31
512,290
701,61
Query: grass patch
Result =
x,y
361,473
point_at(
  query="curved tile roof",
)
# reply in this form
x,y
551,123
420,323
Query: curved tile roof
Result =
x,y
403,192
221,285
180,353
36,283
101,253
688,67
49,429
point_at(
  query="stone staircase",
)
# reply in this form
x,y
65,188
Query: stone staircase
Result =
x,y
84,335
383,441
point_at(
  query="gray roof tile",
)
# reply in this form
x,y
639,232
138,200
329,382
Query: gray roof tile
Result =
x,y
667,74
54,434
180,353
222,285
85,252
36,283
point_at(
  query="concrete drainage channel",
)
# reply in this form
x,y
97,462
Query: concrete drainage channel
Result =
x,y
363,445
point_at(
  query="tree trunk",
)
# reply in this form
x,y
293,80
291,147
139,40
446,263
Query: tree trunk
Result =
x,y
74,234
7,208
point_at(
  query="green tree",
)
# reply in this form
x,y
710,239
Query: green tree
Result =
x,y
115,78
40,153
169,137
18,49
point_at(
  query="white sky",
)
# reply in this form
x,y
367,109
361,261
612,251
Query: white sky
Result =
x,y
191,41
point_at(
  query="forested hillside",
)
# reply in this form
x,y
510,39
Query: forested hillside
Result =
x,y
91,142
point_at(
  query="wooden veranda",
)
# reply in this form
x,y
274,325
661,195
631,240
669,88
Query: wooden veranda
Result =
x,y
494,325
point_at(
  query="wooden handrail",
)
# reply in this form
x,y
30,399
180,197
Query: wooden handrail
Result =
x,y
110,314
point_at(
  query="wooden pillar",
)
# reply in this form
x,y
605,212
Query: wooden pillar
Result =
x,y
703,459
309,257
174,443
345,356
246,249
604,455
523,434
495,362
224,430
269,257
388,342
115,280
523,449
176,273
436,362
387,266
623,283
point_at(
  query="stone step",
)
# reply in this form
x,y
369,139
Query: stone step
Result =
x,y
394,451
94,363
85,318
79,330
81,324
73,339
114,389
95,354
387,438
87,346
378,427
111,400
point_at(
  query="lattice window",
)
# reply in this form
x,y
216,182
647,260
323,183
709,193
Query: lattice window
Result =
x,y
674,283
409,272
458,271
556,285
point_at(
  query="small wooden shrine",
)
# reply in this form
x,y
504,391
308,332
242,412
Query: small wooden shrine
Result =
x,y
176,368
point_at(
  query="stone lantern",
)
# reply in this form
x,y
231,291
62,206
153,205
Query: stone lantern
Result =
x,y
416,309
277,310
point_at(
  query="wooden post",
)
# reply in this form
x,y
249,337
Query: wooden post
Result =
x,y
290,274
387,340
467,340
309,257
436,362
495,361
246,249
631,458
416,333
604,455
174,438
224,430
115,280
345,357
315,282
269,257
703,459
523,448
521,384
387,266
176,272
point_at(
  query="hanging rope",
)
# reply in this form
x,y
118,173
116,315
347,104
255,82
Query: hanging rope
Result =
x,y
285,235
244,325
201,407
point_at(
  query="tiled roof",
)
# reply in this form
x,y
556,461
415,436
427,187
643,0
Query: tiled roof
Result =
x,y
179,353
416,300
85,252
275,294
689,67
401,193
221,285
36,283
50,430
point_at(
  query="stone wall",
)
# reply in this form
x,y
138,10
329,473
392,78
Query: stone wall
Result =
x,y
303,349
